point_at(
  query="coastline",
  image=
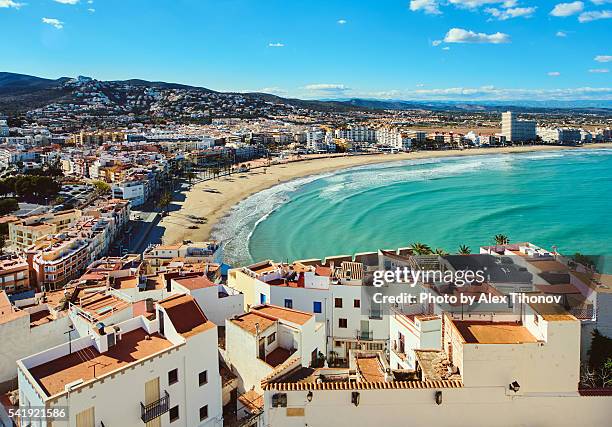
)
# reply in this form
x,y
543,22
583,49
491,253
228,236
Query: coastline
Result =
x,y
213,199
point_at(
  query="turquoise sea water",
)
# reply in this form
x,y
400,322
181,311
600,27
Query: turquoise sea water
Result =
x,y
547,198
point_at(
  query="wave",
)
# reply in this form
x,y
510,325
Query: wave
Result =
x,y
237,228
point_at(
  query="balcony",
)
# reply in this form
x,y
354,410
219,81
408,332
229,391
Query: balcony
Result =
x,y
365,335
156,409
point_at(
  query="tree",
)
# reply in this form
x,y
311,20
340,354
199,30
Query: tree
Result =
x,y
421,248
8,205
165,200
102,187
501,239
464,250
440,251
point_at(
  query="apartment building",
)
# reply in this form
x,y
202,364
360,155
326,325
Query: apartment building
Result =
x,y
167,370
520,369
14,274
58,259
516,130
560,135
269,339
332,291
4,129
27,231
357,134
132,191
393,138
159,257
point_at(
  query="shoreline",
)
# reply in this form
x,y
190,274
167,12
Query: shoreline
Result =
x,y
213,199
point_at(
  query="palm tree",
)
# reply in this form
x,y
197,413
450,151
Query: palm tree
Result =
x,y
440,251
464,250
501,239
420,248
165,200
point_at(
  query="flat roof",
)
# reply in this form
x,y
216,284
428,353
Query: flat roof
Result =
x,y
370,368
474,332
249,322
193,283
288,314
133,346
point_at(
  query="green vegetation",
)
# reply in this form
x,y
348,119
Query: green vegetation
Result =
x,y
102,187
501,239
598,371
421,248
8,205
30,188
165,200
464,250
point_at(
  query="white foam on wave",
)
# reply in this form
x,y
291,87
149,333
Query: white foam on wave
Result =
x,y
237,227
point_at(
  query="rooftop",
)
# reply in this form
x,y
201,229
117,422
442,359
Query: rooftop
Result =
x,y
186,315
370,368
193,283
252,320
287,314
474,332
133,346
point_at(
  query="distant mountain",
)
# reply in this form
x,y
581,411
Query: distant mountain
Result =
x,y
20,93
596,106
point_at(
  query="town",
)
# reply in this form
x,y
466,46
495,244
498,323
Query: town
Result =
x,y
96,302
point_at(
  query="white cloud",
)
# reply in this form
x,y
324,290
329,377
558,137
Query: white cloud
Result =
x,y
561,34
53,22
603,58
436,42
516,12
600,2
341,21
276,45
446,48
554,73
567,9
91,10
599,70
10,3
326,87
595,15
273,91
473,4
67,1
459,35
428,6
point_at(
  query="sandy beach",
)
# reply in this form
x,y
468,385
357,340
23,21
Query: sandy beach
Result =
x,y
214,198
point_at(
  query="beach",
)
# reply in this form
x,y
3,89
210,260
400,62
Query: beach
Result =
x,y
212,199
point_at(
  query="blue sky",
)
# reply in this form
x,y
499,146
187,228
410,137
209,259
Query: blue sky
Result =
x,y
420,49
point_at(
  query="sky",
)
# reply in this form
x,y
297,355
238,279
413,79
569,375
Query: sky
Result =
x,y
419,49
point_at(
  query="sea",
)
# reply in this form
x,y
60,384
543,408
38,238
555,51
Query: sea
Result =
x,y
554,199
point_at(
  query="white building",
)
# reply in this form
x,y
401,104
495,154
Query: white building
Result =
x,y
508,371
134,191
332,294
560,135
515,130
269,339
155,372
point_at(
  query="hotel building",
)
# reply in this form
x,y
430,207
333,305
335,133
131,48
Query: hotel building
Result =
x,y
515,130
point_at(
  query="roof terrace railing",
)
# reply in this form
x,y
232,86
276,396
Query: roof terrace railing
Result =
x,y
155,409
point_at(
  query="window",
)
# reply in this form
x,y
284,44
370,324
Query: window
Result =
x,y
173,376
262,298
338,302
316,306
203,412
288,303
203,378
342,323
356,303
174,413
338,343
271,338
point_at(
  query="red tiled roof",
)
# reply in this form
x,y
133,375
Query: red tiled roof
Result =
x,y
186,315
